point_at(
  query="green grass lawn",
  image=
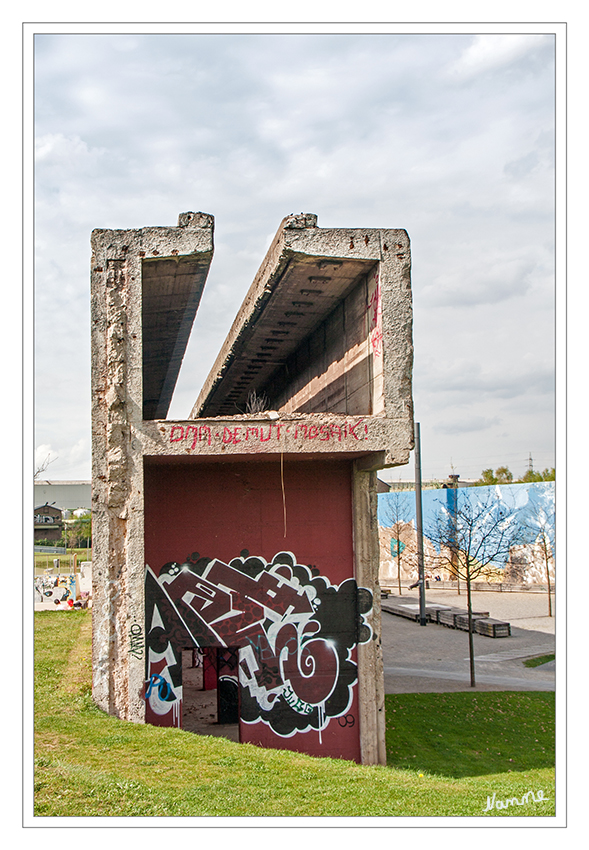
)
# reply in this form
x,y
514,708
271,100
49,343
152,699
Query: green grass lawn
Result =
x,y
539,660
446,754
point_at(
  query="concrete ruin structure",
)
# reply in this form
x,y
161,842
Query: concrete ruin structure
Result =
x,y
249,530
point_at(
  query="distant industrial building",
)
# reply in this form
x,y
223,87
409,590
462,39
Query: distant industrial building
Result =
x,y
65,495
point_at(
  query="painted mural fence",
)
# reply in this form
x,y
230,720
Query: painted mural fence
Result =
x,y
295,633
63,591
531,508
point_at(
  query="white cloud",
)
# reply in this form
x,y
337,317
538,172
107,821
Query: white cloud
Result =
x,y
68,152
491,52
487,279
465,424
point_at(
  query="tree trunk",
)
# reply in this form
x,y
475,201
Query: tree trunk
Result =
x,y
399,565
545,547
470,637
455,570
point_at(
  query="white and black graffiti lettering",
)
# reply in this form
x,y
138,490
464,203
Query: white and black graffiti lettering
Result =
x,y
295,632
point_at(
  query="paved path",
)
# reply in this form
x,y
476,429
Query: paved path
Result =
x,y
434,659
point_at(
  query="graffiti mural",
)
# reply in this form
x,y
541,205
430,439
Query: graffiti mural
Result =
x,y
533,507
59,590
252,435
295,632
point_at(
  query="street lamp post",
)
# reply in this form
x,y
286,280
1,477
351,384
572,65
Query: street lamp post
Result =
x,y
419,523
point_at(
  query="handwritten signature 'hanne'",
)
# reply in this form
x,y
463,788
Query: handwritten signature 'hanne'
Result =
x,y
513,801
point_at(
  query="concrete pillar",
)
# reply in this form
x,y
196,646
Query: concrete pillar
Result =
x,y
370,664
117,311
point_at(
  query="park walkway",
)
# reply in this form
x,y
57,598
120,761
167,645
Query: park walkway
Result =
x,y
434,659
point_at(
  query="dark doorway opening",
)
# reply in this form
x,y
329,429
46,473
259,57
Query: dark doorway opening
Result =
x,y
210,703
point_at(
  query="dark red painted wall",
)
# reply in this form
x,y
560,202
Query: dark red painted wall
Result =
x,y
219,509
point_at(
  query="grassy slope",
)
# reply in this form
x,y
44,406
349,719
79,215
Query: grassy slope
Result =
x,y
90,764
464,734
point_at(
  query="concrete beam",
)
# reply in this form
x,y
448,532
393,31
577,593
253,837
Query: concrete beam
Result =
x,y
318,435
326,327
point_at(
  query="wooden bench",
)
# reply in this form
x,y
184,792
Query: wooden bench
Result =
x,y
492,628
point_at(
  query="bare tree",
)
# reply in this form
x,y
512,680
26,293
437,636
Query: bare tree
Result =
x,y
43,466
538,522
396,513
474,539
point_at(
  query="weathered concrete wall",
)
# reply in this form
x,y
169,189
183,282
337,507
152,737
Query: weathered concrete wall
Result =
x,y
117,463
331,311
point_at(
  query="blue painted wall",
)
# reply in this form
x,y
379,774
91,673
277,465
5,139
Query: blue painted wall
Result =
x,y
533,504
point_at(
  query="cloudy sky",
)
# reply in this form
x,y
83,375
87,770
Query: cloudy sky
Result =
x,y
448,136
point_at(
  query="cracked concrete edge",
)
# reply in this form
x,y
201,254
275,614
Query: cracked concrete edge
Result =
x,y
371,689
390,248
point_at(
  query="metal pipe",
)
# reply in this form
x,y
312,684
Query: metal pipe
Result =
x,y
419,523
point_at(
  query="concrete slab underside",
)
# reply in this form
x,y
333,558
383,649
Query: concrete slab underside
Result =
x,y
171,293
323,302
